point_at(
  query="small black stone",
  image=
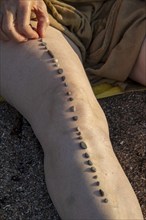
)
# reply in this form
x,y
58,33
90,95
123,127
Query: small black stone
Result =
x,y
101,192
63,78
70,99
44,43
75,118
79,133
73,108
83,145
87,155
89,162
105,200
65,84
68,93
93,169
97,183
60,71
77,129
95,177
50,53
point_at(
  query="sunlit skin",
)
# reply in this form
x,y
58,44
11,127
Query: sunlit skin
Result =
x,y
15,20
31,84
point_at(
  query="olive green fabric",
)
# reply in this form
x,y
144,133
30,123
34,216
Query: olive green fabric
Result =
x,y
109,33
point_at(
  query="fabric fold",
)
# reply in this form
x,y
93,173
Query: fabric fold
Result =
x,y
106,32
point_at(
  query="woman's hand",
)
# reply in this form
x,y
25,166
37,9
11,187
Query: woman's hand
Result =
x,y
15,19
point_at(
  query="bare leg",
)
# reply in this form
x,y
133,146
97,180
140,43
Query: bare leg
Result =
x,y
139,71
36,90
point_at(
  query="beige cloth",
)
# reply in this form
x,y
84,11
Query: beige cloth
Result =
x,y
109,33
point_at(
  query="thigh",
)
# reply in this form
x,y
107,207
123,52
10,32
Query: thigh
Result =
x,y
29,82
25,69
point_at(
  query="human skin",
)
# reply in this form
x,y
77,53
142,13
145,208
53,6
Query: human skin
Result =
x,y
32,85
15,19
37,92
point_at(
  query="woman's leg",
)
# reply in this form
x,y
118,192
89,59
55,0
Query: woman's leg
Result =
x,y
78,189
139,71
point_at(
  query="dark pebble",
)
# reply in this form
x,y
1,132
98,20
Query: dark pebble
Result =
x,y
89,162
97,183
93,169
86,155
95,177
70,99
63,78
50,53
44,43
75,118
73,109
83,145
101,192
68,93
65,84
105,200
60,71
79,133
77,129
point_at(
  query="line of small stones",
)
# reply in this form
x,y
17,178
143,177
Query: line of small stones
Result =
x,y
82,144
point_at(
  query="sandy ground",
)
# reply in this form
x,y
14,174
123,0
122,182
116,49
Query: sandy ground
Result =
x,y
23,193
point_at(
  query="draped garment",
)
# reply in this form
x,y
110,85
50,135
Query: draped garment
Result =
x,y
109,33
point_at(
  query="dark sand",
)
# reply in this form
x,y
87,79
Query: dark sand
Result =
x,y
23,193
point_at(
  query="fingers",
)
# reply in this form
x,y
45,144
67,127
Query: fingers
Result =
x,y
43,21
15,20
23,20
8,28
